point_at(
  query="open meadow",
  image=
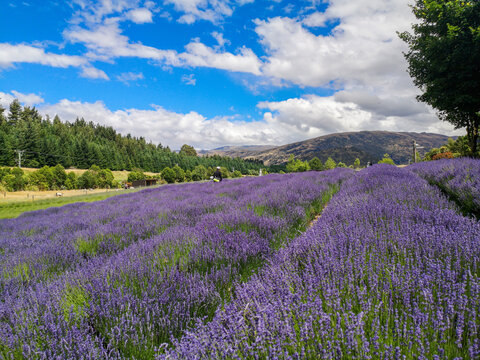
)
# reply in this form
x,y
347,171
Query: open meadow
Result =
x,y
238,270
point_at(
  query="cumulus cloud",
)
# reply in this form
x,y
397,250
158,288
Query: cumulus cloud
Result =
x,y
90,72
25,99
200,55
169,128
21,53
140,16
28,99
106,42
209,10
313,115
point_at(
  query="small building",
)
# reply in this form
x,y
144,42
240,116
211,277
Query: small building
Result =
x,y
143,183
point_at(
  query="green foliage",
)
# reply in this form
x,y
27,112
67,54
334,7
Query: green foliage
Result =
x,y
296,165
71,181
13,179
87,180
341,165
356,163
386,160
188,150
179,174
168,175
444,49
199,173
75,299
136,175
59,176
330,164
237,174
315,164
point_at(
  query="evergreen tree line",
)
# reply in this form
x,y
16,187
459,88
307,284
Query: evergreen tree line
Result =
x,y
81,144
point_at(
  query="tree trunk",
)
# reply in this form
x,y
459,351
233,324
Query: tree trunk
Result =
x,y
472,132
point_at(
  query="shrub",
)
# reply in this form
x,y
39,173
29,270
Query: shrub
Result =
x,y
444,155
199,173
330,164
179,174
386,160
169,175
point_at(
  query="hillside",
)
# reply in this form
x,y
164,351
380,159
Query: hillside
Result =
x,y
346,147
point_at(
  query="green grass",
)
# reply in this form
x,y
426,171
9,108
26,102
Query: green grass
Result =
x,y
14,209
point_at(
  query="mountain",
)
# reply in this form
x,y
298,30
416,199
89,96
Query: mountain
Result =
x,y
242,151
346,147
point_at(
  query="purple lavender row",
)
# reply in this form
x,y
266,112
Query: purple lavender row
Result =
x,y
389,271
459,178
126,303
41,245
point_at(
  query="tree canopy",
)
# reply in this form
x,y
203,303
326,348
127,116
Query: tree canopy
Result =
x,y
443,59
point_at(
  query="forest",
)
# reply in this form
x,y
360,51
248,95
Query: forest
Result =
x,y
42,141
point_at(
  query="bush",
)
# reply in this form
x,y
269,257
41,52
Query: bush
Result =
x,y
330,164
71,181
237,174
315,164
444,155
188,175
87,180
136,175
199,173
59,176
168,175
179,174
386,160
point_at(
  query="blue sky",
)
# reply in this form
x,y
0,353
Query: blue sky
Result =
x,y
212,72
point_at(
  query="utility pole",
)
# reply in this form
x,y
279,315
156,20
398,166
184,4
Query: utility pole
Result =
x,y
20,153
415,147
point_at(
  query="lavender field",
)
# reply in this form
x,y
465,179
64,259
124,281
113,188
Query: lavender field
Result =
x,y
235,271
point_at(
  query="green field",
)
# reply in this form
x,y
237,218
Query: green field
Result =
x,y
16,208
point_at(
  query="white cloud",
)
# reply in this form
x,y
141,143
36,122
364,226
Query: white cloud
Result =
x,y
11,54
25,99
220,39
140,16
167,127
106,42
90,72
130,76
209,10
362,50
28,99
189,79
312,116
200,55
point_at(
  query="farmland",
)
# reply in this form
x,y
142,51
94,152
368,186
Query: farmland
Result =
x,y
238,270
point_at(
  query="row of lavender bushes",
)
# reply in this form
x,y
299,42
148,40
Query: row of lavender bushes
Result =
x,y
458,178
390,271
119,278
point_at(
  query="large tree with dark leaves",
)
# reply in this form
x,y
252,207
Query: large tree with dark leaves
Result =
x,y
444,60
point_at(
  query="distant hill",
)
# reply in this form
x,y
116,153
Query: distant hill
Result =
x,y
237,151
346,147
